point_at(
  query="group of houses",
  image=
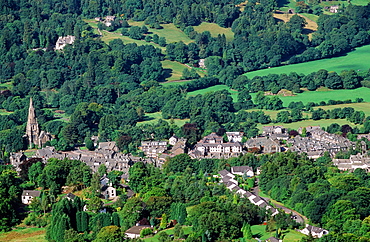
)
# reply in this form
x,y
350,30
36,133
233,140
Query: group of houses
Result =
x,y
228,179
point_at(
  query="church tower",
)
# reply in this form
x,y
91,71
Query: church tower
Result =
x,y
32,129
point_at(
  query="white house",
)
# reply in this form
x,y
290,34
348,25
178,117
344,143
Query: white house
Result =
x,y
134,232
316,232
28,195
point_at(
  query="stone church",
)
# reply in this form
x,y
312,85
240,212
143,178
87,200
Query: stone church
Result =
x,y
33,133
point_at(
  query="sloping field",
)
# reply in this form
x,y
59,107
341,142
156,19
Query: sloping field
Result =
x,y
174,70
311,24
215,30
358,59
365,107
169,31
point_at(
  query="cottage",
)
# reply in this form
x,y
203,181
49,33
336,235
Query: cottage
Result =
x,y
108,20
134,232
63,41
241,170
28,195
316,232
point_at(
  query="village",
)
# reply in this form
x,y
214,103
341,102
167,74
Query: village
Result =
x,y
315,143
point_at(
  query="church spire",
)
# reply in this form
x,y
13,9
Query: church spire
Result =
x,y
32,129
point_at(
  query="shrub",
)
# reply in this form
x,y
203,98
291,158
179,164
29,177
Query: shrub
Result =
x,y
145,232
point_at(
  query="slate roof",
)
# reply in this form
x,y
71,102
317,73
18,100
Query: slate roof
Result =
x,y
32,193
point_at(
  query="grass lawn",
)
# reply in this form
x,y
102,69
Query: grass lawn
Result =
x,y
152,118
187,230
22,234
174,70
358,59
215,30
234,93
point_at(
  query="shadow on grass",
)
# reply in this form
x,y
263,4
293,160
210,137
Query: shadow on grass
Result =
x,y
167,73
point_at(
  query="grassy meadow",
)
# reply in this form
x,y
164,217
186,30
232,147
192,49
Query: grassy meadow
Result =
x,y
215,30
234,93
23,234
358,59
174,70
169,31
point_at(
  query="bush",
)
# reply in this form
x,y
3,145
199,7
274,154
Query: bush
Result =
x,y
145,232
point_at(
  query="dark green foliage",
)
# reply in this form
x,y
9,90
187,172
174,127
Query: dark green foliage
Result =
x,y
9,192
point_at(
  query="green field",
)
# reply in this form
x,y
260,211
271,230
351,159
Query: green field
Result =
x,y
215,30
310,122
358,59
152,118
169,31
318,96
22,234
234,93
174,70
365,107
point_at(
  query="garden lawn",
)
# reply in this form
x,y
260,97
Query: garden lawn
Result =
x,y
215,30
258,231
152,118
359,59
22,234
187,230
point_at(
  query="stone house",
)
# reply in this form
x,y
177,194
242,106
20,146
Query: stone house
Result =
x,y
28,195
153,148
63,41
108,20
241,170
264,144
354,162
213,146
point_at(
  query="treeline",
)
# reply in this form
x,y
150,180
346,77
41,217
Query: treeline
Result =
x,y
333,200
